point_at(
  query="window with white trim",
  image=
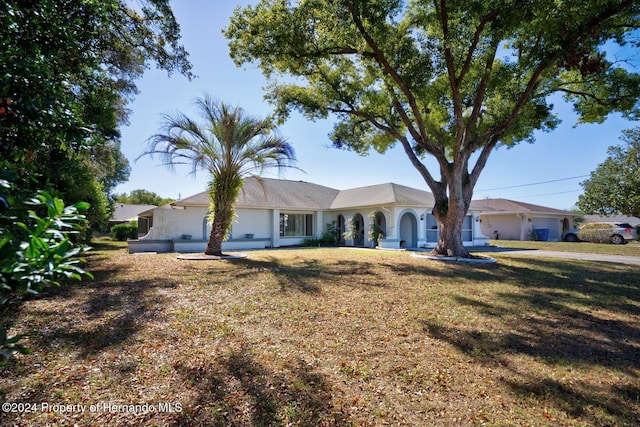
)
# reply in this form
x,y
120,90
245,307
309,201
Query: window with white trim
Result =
x,y
296,225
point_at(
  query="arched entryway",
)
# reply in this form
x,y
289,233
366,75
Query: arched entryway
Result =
x,y
408,231
358,230
379,226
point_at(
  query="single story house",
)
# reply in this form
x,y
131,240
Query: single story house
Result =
x,y
124,213
620,219
511,220
272,213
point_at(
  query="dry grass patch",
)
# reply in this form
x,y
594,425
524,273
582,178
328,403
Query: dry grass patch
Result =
x,y
334,337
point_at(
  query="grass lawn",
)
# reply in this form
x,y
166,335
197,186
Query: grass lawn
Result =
x,y
324,337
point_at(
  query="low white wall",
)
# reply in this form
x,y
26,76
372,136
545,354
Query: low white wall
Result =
x,y
189,246
389,244
159,246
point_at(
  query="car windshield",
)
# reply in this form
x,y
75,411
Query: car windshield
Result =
x,y
624,225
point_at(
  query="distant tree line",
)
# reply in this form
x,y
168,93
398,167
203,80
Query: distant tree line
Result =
x,y
141,197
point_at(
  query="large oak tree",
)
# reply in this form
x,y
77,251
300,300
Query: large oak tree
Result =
x,y
448,79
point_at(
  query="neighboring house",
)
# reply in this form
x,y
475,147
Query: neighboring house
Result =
x,y
511,220
632,220
124,213
275,213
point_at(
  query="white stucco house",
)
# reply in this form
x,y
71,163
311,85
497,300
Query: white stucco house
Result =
x,y
272,213
275,213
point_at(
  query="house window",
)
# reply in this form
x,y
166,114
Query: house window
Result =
x,y
433,231
467,229
296,225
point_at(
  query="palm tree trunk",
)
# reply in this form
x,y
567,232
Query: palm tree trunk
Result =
x,y
224,192
214,246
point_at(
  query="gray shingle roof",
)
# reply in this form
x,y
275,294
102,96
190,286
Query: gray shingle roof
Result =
x,y
284,194
274,193
381,195
278,193
506,205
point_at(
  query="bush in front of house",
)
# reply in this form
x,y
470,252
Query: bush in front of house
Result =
x,y
125,231
329,237
596,233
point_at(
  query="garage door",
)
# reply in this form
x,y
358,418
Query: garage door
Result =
x,y
553,224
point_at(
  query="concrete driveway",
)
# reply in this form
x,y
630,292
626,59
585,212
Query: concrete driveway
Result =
x,y
631,260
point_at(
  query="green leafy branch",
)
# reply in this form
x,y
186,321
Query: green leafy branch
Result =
x,y
36,250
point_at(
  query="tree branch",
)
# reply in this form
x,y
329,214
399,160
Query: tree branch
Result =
x,y
421,134
441,9
583,94
482,88
534,80
431,182
476,38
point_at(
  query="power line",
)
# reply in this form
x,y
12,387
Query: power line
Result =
x,y
547,194
534,183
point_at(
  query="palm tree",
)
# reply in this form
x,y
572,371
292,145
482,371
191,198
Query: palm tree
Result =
x,y
230,146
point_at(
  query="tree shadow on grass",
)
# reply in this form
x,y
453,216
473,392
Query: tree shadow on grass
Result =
x,y
108,314
236,389
615,405
582,315
81,320
303,275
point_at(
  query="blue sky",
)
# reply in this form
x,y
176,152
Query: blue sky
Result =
x,y
561,156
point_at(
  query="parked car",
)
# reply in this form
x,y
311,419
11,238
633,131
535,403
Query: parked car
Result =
x,y
616,233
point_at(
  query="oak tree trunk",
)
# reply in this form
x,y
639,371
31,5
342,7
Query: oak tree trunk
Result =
x,y
452,203
450,240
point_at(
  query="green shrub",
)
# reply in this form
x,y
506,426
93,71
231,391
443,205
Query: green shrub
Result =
x,y
329,237
36,250
596,233
125,231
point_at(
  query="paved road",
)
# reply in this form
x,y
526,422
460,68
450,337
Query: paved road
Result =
x,y
632,260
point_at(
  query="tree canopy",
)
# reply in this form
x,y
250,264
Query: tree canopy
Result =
x,y
614,187
448,79
67,71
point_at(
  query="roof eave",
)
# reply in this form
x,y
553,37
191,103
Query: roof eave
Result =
x,y
528,213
